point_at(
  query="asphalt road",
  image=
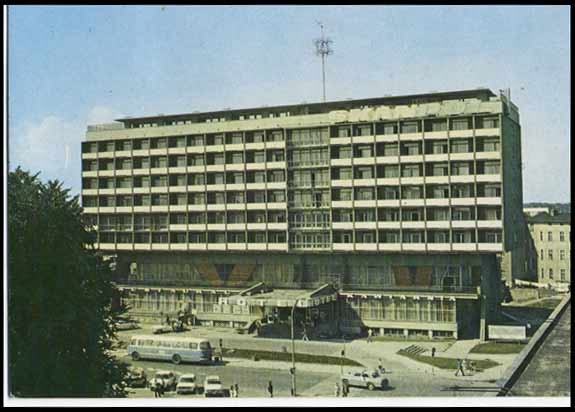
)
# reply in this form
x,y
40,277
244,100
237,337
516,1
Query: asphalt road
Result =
x,y
253,381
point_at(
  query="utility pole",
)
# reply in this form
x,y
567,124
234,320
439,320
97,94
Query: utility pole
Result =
x,y
323,49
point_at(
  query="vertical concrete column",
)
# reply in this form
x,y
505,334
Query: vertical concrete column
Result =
x,y
405,333
482,320
430,334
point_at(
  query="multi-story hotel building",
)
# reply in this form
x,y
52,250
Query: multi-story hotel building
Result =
x,y
383,213
551,234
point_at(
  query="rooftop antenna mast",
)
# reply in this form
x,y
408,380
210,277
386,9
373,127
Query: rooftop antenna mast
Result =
x,y
323,49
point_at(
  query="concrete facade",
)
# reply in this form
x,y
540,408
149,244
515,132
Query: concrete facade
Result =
x,y
551,235
397,202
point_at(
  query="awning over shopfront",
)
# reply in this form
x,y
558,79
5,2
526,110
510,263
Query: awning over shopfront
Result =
x,y
283,298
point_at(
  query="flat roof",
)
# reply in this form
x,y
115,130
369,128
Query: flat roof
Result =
x,y
322,107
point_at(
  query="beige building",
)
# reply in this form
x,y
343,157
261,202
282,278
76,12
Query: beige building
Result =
x,y
384,213
552,243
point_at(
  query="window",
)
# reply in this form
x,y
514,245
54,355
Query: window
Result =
x,y
410,127
390,171
550,236
541,254
439,169
411,171
439,147
490,122
562,275
460,124
561,237
459,146
541,236
550,254
491,168
550,273
460,169
561,254
390,149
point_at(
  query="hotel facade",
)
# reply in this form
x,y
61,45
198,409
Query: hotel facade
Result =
x,y
397,214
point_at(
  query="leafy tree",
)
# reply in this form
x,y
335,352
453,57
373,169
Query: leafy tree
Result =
x,y
60,313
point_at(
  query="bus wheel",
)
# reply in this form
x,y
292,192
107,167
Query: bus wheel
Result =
x,y
176,359
135,356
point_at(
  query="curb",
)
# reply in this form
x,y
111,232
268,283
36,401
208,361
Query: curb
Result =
x,y
514,371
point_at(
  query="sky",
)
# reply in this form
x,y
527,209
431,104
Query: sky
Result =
x,y
70,66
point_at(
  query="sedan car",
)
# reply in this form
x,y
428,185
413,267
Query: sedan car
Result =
x,y
187,384
364,379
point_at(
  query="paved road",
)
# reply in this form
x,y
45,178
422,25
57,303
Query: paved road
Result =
x,y
549,372
313,380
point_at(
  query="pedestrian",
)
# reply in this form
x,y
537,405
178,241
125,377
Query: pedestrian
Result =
x,y
433,352
156,390
232,391
380,366
237,390
459,368
304,335
336,390
167,319
345,389
270,389
369,333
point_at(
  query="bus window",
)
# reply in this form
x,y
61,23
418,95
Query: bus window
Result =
x,y
193,346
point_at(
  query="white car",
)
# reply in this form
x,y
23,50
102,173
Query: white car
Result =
x,y
213,386
168,379
365,379
187,384
159,329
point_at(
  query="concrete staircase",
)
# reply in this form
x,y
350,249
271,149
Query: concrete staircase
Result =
x,y
414,350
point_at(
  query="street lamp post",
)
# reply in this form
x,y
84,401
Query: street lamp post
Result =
x,y
293,349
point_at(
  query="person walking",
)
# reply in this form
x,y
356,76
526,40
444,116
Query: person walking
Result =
x,y
459,368
270,389
232,391
369,333
345,389
336,390
237,390
433,352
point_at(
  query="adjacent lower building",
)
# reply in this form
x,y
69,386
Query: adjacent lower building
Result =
x,y
551,235
389,213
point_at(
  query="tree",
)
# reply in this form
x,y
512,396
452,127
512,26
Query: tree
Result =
x,y
61,321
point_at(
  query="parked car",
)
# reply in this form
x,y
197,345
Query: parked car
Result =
x,y
364,379
187,384
213,386
136,378
126,324
158,329
168,378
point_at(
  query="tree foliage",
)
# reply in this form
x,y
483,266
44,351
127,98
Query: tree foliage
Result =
x,y
60,313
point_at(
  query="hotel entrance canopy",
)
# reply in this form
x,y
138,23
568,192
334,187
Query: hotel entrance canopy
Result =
x,y
282,298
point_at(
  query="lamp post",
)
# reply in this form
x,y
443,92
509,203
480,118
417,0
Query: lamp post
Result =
x,y
293,347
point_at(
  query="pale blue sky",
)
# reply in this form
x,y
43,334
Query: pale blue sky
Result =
x,y
69,66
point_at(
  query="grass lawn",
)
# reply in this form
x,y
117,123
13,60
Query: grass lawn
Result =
x,y
286,356
498,348
448,363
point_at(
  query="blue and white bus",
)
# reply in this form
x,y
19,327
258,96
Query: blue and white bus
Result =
x,y
172,348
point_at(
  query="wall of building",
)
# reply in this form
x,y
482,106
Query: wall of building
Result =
x,y
553,256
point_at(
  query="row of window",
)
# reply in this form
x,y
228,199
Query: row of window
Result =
x,y
306,240
417,236
296,219
193,237
562,278
296,136
159,161
160,221
410,148
296,197
562,237
562,254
